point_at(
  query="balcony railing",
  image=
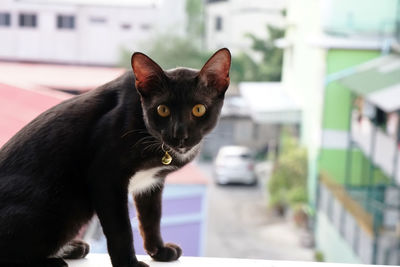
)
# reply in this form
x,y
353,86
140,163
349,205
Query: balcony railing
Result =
x,y
365,217
380,148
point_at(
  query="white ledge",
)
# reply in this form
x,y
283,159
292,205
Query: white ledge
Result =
x,y
102,260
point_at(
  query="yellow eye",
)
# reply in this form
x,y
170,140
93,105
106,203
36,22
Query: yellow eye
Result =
x,y
163,111
199,110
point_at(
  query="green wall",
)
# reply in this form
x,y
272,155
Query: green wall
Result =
x,y
333,162
337,109
340,59
337,97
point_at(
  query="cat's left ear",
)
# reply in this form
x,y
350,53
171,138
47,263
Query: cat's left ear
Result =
x,y
147,73
215,73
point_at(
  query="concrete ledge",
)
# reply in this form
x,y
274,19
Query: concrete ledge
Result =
x,y
102,260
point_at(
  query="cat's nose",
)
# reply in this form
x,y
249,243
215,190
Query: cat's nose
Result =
x,y
180,132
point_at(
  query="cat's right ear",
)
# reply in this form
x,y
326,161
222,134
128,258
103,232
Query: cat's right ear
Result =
x,y
147,73
215,73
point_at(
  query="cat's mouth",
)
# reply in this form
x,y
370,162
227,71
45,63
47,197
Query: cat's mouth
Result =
x,y
181,149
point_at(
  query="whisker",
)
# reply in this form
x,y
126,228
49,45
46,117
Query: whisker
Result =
x,y
143,139
134,131
152,147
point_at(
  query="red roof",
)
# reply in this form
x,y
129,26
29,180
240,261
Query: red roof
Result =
x,y
26,89
19,106
67,77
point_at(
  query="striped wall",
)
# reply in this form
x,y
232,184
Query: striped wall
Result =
x,y
336,112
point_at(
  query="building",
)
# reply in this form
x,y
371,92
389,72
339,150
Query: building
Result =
x,y
84,31
254,118
338,53
228,21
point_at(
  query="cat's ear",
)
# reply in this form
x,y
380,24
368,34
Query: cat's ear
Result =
x,y
147,73
215,73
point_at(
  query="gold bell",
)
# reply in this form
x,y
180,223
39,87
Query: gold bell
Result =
x,y
166,159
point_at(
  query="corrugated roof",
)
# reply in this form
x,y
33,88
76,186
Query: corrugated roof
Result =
x,y
18,107
66,77
268,102
378,81
25,90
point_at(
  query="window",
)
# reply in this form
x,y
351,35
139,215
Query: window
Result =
x,y
398,31
5,19
380,118
98,20
145,27
65,22
218,23
126,26
27,20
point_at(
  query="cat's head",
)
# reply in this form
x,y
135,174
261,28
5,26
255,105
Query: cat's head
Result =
x,y
181,105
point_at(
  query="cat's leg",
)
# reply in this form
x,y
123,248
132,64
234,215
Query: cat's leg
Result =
x,y
148,206
75,249
111,205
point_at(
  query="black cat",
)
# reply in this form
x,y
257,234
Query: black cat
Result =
x,y
84,155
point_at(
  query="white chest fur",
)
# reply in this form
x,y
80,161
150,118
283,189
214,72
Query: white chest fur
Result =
x,y
144,180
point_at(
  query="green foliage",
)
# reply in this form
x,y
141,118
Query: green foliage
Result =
x,y
195,23
288,182
171,51
270,67
296,195
319,256
245,68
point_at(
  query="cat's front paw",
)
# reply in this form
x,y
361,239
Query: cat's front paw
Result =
x,y
169,252
136,264
141,264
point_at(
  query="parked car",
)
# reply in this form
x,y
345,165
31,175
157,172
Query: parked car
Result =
x,y
234,164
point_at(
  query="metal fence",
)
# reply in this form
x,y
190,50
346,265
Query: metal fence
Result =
x,y
367,225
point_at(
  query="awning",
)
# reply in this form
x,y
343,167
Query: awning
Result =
x,y
378,81
268,103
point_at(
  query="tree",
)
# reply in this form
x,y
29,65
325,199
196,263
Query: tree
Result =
x,y
288,182
270,67
195,22
171,52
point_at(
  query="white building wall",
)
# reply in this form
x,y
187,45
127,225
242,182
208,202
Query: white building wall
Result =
x,y
89,42
303,77
239,18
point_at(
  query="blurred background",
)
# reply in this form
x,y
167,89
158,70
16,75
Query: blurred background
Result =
x,y
304,163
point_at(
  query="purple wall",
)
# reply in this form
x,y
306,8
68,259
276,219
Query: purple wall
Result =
x,y
183,221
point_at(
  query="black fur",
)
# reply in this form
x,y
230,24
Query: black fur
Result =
x,y
77,158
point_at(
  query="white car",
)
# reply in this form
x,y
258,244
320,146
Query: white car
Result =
x,y
234,164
